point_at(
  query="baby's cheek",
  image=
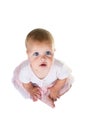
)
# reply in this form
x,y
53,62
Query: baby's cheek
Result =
x,y
50,61
32,60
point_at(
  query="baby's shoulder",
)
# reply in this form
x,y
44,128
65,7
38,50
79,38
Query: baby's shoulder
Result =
x,y
24,65
58,63
21,68
61,66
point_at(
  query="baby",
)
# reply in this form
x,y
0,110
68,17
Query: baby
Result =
x,y
42,76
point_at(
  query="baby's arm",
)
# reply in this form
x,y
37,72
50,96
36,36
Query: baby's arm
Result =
x,y
56,88
33,91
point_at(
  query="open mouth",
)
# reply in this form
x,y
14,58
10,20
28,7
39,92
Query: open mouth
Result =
x,y
43,65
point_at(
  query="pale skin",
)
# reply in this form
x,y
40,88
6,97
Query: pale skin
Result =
x,y
54,91
41,56
36,94
33,91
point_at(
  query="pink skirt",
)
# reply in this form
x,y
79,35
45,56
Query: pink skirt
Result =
x,y
44,91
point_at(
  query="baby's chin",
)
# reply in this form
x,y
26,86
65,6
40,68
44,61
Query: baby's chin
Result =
x,y
42,72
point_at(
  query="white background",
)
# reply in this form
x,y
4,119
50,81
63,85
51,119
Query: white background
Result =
x,y
67,21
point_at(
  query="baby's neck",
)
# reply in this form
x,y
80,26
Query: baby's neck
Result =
x,y
41,74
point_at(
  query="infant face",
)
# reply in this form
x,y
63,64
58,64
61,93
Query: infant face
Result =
x,y
40,56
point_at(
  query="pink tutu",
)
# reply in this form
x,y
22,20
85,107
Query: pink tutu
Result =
x,y
44,91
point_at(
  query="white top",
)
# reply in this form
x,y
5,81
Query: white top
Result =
x,y
58,71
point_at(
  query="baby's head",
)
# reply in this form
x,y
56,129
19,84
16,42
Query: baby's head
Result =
x,y
40,35
40,49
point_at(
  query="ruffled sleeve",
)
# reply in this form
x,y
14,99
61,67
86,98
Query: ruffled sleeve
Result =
x,y
63,71
24,74
21,75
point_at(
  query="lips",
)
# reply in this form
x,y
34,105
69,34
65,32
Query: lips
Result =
x,y
43,65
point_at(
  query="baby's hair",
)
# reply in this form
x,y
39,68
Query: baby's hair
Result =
x,y
40,35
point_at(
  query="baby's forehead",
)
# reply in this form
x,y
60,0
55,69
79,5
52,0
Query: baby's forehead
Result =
x,y
33,43
39,42
41,48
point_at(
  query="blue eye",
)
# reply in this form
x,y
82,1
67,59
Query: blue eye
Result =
x,y
36,54
48,53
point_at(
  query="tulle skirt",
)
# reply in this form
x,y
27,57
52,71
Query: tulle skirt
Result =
x,y
44,91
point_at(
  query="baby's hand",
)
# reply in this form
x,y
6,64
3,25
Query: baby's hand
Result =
x,y
35,93
53,93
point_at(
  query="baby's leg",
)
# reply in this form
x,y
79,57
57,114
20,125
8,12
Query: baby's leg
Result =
x,y
66,87
46,99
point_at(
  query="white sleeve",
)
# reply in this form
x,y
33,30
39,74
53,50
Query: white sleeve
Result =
x,y
63,72
24,75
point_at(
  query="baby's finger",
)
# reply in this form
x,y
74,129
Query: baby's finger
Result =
x,y
58,96
36,95
37,89
34,98
53,98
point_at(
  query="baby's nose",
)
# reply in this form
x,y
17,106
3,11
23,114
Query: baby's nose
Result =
x,y
43,58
